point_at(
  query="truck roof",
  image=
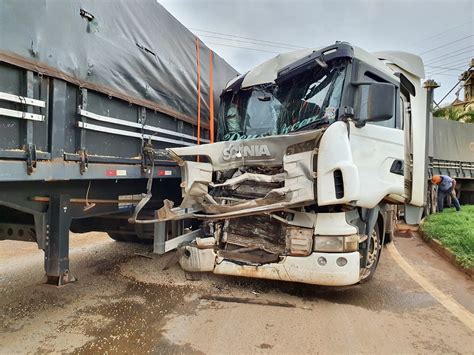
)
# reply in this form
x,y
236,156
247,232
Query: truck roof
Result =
x,y
267,71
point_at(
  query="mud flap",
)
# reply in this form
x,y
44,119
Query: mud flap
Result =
x,y
413,214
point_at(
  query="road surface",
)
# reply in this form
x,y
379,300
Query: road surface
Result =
x,y
128,300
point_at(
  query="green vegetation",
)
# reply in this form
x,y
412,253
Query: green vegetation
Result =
x,y
451,113
455,231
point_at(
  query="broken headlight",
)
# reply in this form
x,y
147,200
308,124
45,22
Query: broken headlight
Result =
x,y
336,243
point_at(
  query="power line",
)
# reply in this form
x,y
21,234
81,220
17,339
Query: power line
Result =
x,y
449,92
449,55
456,63
251,49
453,75
439,34
436,67
446,44
459,63
440,72
249,42
463,50
462,60
249,38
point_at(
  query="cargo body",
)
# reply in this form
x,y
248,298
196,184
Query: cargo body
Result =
x,y
83,90
451,152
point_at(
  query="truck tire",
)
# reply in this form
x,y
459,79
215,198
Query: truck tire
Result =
x,y
373,256
128,238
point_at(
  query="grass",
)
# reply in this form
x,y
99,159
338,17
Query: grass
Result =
x,y
455,231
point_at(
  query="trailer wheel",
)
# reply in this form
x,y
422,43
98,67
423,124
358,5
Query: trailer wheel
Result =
x,y
128,238
373,256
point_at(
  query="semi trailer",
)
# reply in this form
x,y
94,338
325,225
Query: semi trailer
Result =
x,y
317,150
86,88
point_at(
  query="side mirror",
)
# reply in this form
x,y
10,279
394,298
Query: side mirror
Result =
x,y
380,102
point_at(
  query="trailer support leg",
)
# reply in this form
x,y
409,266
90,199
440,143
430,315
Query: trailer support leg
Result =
x,y
56,252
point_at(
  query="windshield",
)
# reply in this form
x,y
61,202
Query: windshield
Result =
x,y
304,102
250,114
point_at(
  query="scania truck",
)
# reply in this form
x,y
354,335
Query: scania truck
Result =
x,y
315,149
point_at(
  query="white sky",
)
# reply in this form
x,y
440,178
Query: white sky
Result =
x,y
415,26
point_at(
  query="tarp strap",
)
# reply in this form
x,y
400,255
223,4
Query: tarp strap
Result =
x,y
198,93
211,101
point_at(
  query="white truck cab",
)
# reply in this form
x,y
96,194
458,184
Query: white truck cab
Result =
x,y
314,149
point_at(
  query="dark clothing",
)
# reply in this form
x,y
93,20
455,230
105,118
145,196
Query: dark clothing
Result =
x,y
442,195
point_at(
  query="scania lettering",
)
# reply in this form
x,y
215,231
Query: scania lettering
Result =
x,y
238,151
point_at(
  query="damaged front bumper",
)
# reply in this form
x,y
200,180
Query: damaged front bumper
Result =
x,y
257,202
327,269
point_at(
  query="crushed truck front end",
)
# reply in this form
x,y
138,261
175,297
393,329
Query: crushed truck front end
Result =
x,y
256,199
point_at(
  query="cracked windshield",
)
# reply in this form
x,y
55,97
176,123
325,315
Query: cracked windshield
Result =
x,y
305,101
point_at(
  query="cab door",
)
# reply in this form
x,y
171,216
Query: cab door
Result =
x,y
378,152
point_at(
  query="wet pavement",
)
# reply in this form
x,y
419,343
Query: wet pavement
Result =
x,y
128,300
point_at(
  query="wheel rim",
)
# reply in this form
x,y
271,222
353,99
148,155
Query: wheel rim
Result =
x,y
372,255
374,250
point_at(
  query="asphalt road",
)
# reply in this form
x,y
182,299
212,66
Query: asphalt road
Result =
x,y
128,300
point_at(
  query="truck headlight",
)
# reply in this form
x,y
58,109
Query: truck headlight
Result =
x,y
336,243
329,244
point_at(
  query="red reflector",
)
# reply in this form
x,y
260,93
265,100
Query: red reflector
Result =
x,y
111,172
165,172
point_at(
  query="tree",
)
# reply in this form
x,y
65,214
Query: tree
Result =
x,y
454,114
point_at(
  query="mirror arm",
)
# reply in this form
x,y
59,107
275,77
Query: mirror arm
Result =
x,y
360,123
348,114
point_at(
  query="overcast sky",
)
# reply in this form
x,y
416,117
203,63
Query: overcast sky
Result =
x,y
417,26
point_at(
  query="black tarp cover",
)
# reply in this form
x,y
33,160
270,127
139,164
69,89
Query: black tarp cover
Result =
x,y
132,49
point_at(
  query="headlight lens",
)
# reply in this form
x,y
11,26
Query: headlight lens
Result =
x,y
336,243
330,244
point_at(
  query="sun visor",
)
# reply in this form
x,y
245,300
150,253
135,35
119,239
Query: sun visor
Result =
x,y
267,72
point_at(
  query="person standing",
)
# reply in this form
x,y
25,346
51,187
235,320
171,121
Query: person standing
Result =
x,y
446,187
